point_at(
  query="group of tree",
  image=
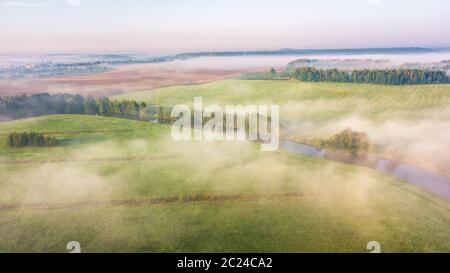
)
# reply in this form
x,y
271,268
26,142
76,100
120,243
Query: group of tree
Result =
x,y
32,139
271,74
163,115
40,104
355,142
46,104
112,108
388,76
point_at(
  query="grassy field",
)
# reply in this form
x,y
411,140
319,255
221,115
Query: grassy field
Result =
x,y
331,207
377,102
409,123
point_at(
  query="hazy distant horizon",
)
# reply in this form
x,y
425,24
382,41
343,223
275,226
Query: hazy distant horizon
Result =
x,y
174,26
148,52
174,52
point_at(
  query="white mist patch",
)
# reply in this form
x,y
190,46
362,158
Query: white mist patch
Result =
x,y
103,150
55,183
137,146
235,123
421,141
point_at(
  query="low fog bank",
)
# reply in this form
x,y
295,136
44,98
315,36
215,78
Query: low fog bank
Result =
x,y
339,197
135,77
423,140
177,169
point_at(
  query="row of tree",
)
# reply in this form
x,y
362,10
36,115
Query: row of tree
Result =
x,y
32,139
45,104
122,109
388,76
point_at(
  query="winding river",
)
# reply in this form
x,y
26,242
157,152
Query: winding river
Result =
x,y
430,181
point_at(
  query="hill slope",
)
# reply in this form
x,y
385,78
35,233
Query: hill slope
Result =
x,y
408,123
273,202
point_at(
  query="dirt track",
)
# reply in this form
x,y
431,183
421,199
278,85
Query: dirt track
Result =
x,y
164,200
105,159
130,158
77,132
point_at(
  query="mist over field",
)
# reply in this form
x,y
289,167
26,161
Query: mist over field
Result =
x,y
101,179
88,153
215,62
114,79
420,140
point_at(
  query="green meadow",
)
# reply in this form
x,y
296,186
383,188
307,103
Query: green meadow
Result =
x,y
300,204
317,102
408,123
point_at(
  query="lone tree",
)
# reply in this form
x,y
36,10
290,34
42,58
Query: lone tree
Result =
x,y
356,143
273,72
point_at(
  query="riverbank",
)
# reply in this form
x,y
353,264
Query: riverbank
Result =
x,y
428,180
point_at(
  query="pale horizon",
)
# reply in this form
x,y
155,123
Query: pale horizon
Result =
x,y
167,27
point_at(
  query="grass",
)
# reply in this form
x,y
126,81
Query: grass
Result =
x,y
406,123
344,206
74,131
376,102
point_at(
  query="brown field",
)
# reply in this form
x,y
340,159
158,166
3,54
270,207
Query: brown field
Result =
x,y
122,79
127,78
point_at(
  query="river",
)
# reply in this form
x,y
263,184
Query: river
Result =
x,y
425,179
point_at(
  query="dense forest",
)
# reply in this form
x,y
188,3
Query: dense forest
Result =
x,y
46,104
390,76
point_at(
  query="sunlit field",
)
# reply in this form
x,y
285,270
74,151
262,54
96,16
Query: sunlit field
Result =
x,y
376,101
117,185
225,135
408,123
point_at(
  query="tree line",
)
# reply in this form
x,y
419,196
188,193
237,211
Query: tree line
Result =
x,y
24,106
32,139
46,104
128,109
387,76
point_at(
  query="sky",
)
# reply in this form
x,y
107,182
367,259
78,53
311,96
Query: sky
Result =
x,y
169,26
